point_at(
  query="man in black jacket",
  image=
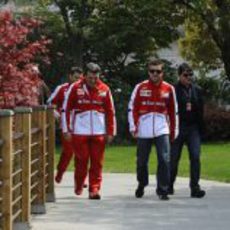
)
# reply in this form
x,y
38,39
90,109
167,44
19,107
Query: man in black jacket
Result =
x,y
190,107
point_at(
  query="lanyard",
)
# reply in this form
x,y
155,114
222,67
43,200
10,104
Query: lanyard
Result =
x,y
188,93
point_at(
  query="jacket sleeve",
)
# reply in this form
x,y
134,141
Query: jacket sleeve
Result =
x,y
67,108
133,110
111,125
54,99
173,114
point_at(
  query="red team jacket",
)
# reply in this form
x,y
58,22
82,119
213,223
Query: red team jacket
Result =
x,y
92,110
153,110
58,96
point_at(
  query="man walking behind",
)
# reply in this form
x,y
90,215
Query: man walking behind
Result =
x,y
57,98
190,104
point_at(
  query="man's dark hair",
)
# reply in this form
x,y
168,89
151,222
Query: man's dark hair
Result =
x,y
184,67
92,67
155,62
75,69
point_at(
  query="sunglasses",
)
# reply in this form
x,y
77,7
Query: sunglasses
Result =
x,y
75,74
94,72
187,75
155,71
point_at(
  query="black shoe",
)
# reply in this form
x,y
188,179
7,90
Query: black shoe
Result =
x,y
94,196
170,190
139,191
197,193
163,197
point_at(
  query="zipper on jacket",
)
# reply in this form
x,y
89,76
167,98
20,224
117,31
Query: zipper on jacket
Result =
x,y
91,116
90,111
91,121
153,125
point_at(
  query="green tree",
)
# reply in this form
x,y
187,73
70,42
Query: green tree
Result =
x,y
130,31
207,32
112,30
197,45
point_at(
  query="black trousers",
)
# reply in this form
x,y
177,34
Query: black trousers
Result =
x,y
190,136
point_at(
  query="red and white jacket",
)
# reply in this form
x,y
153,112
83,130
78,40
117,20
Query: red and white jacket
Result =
x,y
57,98
92,110
153,110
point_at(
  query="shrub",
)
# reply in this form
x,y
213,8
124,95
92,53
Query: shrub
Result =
x,y
217,123
19,80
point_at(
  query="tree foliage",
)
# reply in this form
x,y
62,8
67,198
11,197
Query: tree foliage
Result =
x,y
112,32
197,45
130,30
207,32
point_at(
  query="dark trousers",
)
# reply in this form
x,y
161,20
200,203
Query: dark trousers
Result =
x,y
144,146
191,136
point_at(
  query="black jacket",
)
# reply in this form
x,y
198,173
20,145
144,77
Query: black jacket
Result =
x,y
192,95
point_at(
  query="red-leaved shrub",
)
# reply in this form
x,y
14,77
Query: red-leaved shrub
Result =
x,y
19,83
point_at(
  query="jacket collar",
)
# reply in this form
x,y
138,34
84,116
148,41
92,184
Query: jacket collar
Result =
x,y
184,87
87,89
155,85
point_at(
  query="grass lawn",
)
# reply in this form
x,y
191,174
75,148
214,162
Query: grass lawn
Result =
x,y
215,161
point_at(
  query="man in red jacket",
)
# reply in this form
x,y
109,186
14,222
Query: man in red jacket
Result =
x,y
152,116
57,98
92,123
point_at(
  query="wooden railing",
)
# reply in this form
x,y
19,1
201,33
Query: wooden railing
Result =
x,y
27,145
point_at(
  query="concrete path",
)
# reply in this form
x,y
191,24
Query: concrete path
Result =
x,y
120,210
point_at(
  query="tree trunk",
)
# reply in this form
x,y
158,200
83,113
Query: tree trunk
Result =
x,y
76,41
77,49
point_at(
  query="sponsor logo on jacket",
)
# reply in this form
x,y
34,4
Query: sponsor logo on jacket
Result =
x,y
165,95
102,93
145,93
153,103
97,102
83,101
80,92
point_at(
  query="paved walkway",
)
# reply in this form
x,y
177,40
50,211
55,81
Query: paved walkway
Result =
x,y
120,210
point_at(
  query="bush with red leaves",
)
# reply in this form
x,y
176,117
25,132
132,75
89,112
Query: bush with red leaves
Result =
x,y
19,83
217,123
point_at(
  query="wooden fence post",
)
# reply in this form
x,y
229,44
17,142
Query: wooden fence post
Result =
x,y
24,127
6,134
38,207
50,195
